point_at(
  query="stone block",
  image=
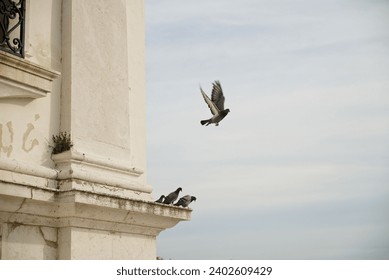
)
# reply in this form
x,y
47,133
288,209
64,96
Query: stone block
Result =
x,y
26,242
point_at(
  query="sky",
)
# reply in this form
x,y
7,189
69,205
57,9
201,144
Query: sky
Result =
x,y
299,169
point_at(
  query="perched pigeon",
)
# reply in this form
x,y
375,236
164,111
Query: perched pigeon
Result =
x,y
216,104
160,200
185,200
169,199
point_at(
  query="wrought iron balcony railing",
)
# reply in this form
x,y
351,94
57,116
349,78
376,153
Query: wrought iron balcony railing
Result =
x,y
12,18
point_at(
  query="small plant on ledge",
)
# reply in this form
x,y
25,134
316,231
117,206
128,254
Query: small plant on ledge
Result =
x,y
62,143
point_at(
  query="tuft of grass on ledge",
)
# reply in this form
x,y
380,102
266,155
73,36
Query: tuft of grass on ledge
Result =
x,y
62,143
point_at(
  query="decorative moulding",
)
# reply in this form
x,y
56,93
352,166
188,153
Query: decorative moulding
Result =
x,y
26,168
20,78
75,165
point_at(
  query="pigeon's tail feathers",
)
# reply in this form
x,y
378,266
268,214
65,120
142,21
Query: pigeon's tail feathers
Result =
x,y
160,200
207,122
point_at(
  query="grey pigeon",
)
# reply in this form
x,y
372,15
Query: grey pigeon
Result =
x,y
160,200
169,199
216,104
185,200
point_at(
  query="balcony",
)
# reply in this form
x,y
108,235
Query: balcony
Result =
x,y
12,18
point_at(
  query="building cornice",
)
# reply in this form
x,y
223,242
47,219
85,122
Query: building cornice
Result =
x,y
21,78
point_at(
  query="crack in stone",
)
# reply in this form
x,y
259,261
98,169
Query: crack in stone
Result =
x,y
127,215
49,243
12,226
21,205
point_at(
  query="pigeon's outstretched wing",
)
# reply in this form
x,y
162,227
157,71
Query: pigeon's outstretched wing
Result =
x,y
211,105
217,95
216,104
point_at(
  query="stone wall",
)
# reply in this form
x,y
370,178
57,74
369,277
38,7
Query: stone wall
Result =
x,y
83,74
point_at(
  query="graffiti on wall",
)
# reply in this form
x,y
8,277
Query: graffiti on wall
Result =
x,y
8,135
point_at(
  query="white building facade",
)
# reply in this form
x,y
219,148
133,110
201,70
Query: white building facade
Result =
x,y
82,72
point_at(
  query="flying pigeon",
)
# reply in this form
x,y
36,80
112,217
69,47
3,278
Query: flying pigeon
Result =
x,y
216,104
169,199
160,200
185,200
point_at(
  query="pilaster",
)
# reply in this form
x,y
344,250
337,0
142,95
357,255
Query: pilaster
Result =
x,y
102,110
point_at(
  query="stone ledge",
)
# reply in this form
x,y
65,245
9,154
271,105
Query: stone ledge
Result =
x,y
73,208
21,78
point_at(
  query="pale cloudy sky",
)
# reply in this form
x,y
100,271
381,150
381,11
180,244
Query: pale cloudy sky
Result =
x,y
299,169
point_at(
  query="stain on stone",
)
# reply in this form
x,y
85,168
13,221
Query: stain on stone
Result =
x,y
11,131
34,142
6,149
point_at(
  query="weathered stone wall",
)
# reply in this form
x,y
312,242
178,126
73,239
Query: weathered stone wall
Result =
x,y
29,242
83,74
28,123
